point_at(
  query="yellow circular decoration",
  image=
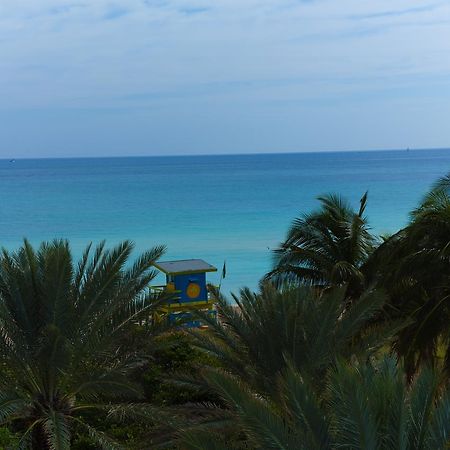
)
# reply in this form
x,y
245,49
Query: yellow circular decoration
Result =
x,y
193,290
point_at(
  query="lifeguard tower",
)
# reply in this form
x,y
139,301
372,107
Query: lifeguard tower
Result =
x,y
186,282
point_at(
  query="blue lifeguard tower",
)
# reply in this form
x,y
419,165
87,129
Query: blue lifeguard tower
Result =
x,y
186,283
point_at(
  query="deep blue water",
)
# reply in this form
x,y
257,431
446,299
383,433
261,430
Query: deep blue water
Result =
x,y
212,207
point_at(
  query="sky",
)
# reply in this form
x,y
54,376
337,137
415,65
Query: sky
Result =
x,y
167,77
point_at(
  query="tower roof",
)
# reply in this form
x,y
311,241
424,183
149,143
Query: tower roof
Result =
x,y
184,266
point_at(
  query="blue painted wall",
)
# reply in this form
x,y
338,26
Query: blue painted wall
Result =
x,y
182,282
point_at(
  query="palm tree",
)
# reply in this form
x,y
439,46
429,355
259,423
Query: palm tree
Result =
x,y
257,336
362,406
414,267
61,327
327,247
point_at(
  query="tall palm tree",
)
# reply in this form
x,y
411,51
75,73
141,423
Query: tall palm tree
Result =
x,y
61,328
257,336
414,267
327,247
362,406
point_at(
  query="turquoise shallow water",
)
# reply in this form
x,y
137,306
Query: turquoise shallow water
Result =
x,y
212,207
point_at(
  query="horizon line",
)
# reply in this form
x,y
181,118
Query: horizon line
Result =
x,y
224,154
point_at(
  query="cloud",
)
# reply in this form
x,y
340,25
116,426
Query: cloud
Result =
x,y
194,10
115,13
397,12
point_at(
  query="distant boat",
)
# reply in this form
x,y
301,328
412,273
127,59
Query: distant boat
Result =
x,y
12,160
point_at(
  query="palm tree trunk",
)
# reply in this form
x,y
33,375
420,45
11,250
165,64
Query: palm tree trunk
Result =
x,y
39,439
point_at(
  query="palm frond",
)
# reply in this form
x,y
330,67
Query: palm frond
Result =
x,y
439,433
201,440
57,431
422,403
256,417
327,247
302,407
99,437
10,405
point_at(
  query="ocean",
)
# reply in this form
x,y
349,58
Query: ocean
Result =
x,y
233,208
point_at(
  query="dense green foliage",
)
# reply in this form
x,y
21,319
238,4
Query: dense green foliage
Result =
x,y
172,354
361,407
307,328
8,439
303,369
414,267
61,323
